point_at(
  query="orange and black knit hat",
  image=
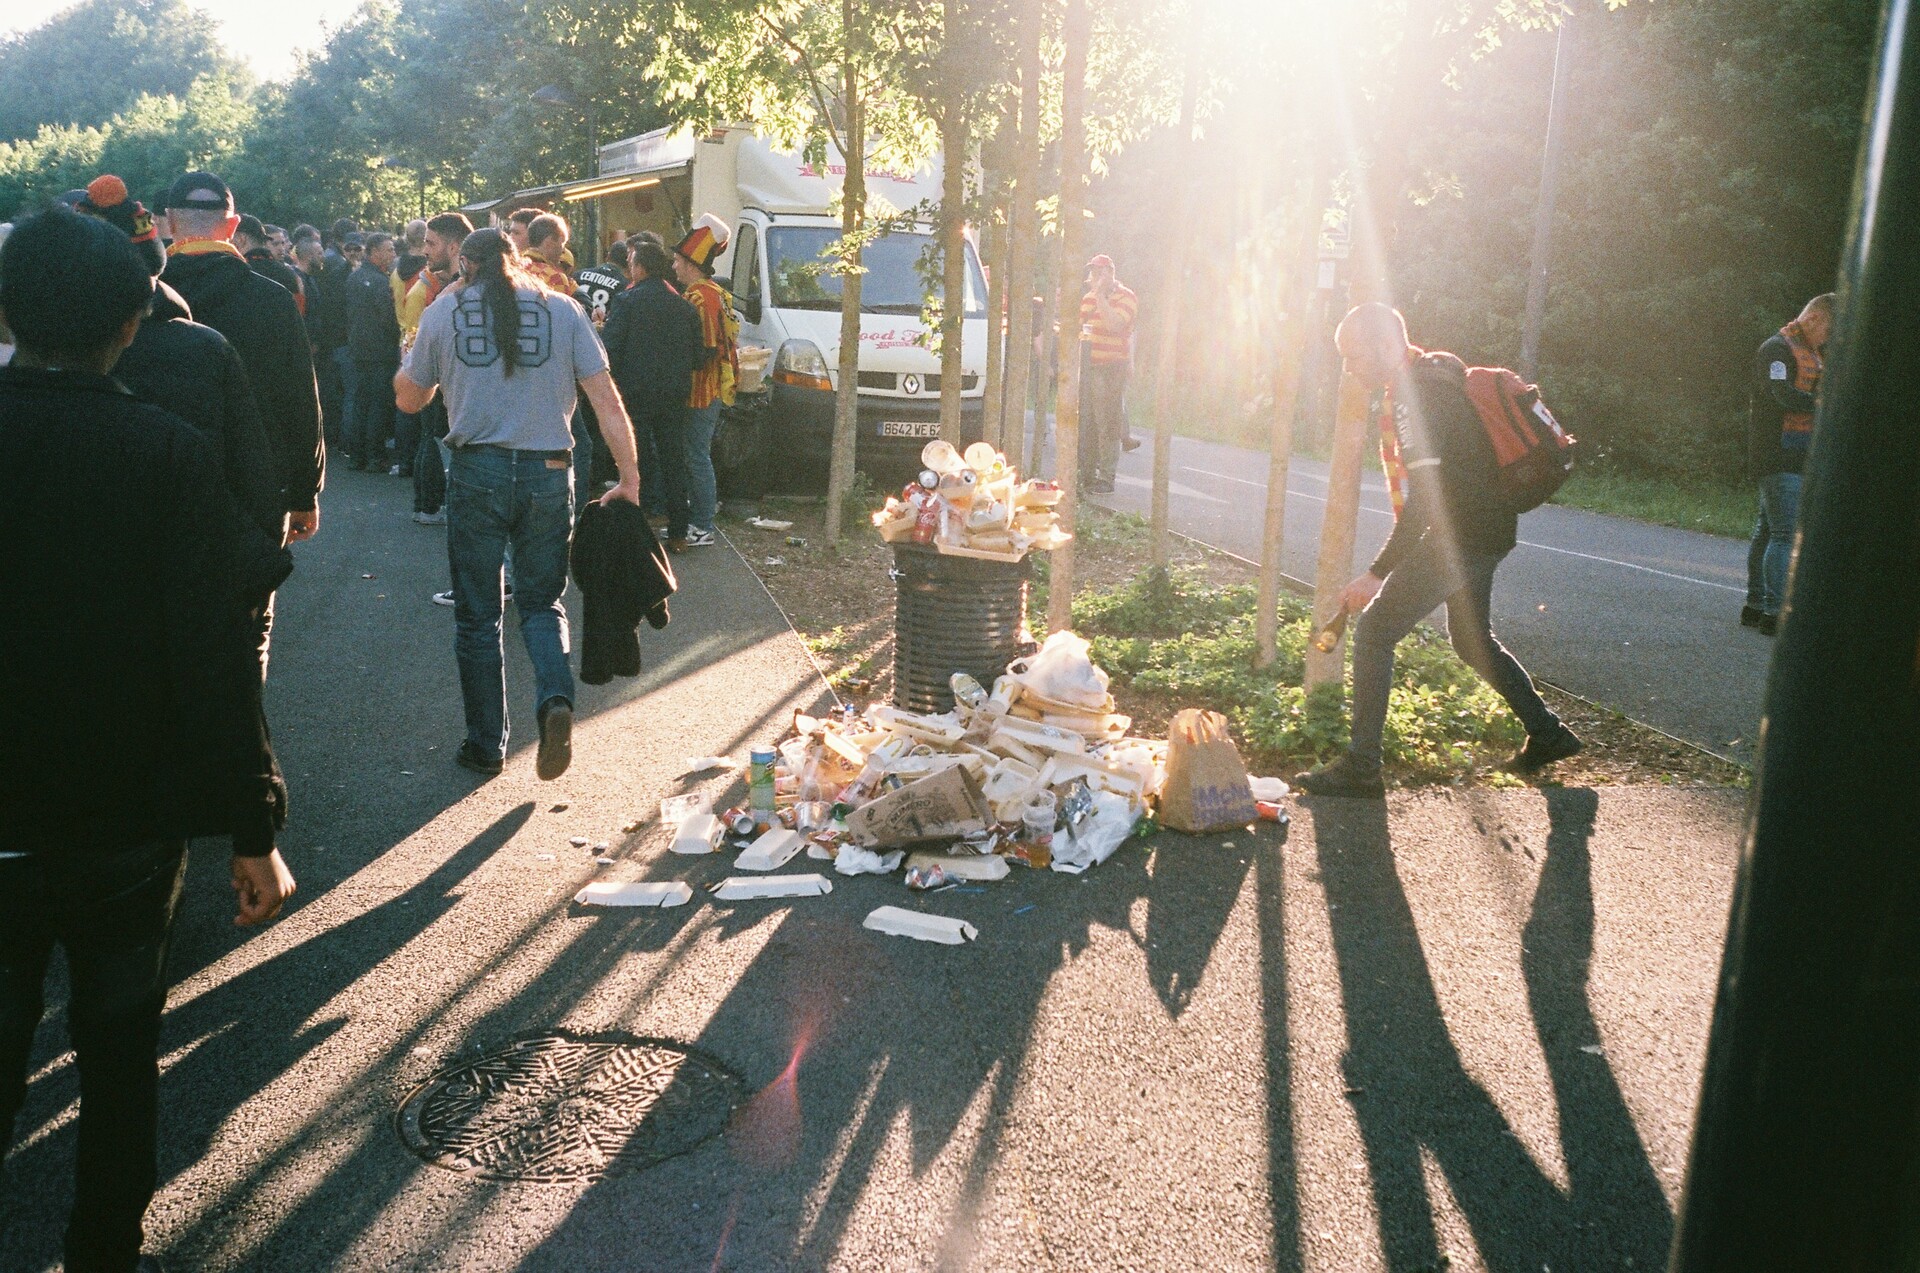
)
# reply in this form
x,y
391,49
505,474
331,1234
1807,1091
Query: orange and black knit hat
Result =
x,y
107,198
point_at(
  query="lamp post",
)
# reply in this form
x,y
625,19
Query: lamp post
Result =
x,y
553,95
1543,211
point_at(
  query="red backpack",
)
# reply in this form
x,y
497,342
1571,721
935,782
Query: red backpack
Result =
x,y
1532,454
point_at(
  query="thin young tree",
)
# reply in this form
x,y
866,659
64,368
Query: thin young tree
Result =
x,y
1076,34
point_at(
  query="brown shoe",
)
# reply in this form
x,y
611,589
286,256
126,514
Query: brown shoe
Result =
x,y
677,545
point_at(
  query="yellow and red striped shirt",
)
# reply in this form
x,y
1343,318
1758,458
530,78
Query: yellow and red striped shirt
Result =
x,y
705,298
1112,342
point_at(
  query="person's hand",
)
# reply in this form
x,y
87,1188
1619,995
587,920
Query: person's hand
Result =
x,y
628,490
1359,594
262,885
301,523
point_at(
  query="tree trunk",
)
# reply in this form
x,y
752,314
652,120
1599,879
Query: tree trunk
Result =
x,y
853,217
1167,367
1286,400
954,135
1337,532
1022,235
998,248
1075,35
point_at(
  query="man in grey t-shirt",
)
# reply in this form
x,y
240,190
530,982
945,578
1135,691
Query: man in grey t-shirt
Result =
x,y
509,354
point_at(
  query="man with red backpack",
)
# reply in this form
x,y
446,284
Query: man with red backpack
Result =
x,y
1455,521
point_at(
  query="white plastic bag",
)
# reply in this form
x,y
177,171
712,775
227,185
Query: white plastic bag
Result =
x,y
1064,672
1094,840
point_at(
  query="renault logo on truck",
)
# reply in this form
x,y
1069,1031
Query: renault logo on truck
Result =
x,y
910,385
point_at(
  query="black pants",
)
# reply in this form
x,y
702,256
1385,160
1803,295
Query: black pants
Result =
x,y
373,413
667,427
112,913
429,468
1425,578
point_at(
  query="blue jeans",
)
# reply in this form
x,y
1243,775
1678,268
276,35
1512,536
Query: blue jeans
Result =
x,y
1771,551
499,499
111,911
1424,578
703,495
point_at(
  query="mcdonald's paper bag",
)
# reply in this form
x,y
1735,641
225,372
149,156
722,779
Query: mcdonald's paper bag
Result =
x,y
1206,787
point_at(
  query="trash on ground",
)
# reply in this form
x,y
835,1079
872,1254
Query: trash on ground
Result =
x,y
771,851
677,809
940,807
578,841
698,833
854,860
1206,788
934,928
1272,790
973,505
706,764
768,523
603,861
962,866
609,893
741,888
926,877
1093,839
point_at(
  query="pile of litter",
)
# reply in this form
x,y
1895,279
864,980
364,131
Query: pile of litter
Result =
x,y
1040,774
973,505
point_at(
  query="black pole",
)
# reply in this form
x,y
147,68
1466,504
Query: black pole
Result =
x,y
1806,1151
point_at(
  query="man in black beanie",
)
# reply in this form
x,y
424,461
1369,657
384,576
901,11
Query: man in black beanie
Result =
x,y
136,629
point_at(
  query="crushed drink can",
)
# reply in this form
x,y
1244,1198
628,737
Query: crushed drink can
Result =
x,y
967,691
737,822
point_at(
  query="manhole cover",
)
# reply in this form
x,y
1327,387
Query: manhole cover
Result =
x,y
559,1107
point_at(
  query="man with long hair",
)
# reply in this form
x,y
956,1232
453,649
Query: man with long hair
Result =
x,y
512,358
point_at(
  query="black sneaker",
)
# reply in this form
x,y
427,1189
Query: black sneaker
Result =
x,y
471,757
1750,616
1768,625
1543,749
1100,486
1344,776
556,739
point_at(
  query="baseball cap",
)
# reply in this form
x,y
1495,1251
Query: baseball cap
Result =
x,y
201,190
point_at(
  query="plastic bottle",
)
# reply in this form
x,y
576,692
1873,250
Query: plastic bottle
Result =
x,y
760,797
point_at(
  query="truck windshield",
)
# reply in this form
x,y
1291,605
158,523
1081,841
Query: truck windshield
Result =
x,y
797,264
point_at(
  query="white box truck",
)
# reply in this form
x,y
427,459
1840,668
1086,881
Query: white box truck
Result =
x,y
781,211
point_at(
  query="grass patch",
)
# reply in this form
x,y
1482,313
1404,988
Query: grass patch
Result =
x,y
1180,638
1705,505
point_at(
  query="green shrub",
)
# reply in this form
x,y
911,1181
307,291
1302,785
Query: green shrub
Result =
x,y
1176,637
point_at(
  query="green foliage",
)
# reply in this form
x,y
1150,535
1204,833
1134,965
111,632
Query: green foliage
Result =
x,y
99,58
1703,504
1193,645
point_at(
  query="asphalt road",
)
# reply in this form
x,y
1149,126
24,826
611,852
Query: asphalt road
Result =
x,y
1642,619
1467,1024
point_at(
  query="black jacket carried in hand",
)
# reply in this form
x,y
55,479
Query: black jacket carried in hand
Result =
x,y
652,337
190,370
1774,398
623,576
260,320
373,326
129,686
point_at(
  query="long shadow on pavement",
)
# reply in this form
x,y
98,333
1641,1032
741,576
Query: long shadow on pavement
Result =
x,y
1412,1095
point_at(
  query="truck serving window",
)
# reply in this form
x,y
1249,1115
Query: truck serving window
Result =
x,y
894,283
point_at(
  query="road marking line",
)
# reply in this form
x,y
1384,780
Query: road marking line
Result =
x,y
1173,488
1664,574
1381,512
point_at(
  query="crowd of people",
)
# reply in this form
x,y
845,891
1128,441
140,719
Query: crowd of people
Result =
x,y
184,374
187,374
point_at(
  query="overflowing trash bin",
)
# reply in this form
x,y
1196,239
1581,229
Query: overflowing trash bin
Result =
x,y
953,614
